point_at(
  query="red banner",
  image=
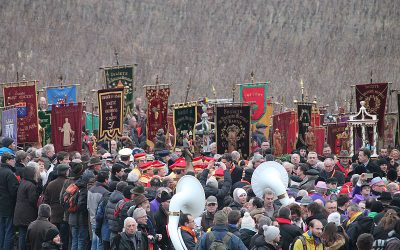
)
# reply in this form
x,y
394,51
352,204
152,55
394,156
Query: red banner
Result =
x,y
336,137
286,124
374,95
157,111
320,136
25,99
66,122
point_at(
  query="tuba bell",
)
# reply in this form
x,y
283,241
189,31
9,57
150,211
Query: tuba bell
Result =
x,y
190,199
271,175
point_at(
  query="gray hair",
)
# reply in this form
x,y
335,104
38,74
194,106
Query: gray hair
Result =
x,y
268,191
235,155
47,148
127,220
354,208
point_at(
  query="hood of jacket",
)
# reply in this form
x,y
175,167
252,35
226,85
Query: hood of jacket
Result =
x,y
116,196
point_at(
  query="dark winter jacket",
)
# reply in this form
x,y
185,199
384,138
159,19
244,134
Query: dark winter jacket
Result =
x,y
260,244
49,245
233,229
36,233
123,242
219,231
8,190
19,169
110,207
258,237
101,221
288,232
362,224
245,236
218,193
235,205
80,218
207,221
236,174
27,196
95,193
188,240
52,197
161,220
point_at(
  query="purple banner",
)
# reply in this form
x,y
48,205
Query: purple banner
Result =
x,y
9,123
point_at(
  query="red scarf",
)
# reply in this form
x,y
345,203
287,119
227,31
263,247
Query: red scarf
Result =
x,y
190,231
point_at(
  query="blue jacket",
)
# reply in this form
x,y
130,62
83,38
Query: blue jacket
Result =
x,y
219,231
6,150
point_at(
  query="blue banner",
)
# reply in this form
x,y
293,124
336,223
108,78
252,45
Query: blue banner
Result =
x,y
61,95
9,123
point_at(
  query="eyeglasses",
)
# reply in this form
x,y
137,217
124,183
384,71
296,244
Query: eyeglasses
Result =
x,y
211,204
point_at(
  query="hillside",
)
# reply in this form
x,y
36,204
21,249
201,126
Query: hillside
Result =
x,y
330,44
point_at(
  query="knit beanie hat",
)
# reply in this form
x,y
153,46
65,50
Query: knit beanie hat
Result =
x,y
220,218
248,222
6,142
237,193
270,233
51,233
212,182
139,212
334,217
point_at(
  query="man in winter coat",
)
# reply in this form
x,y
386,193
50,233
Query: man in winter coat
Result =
x,y
115,197
52,196
8,146
8,194
207,219
130,238
357,224
95,193
288,231
211,185
312,238
161,220
26,205
189,237
270,239
220,232
37,230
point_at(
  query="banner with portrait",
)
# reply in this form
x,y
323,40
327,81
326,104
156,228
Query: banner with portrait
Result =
x,y
61,95
374,95
122,77
284,126
157,111
303,121
9,124
111,106
185,119
45,124
338,137
66,122
233,129
24,97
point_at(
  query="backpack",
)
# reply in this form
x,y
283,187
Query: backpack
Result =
x,y
303,241
219,244
70,198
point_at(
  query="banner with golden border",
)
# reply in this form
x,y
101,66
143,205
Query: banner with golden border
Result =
x,y
24,97
185,119
111,113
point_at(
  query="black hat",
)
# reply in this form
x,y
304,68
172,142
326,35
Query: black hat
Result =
x,y
391,175
138,190
62,168
76,169
94,161
382,161
261,125
51,233
165,196
248,173
385,196
6,156
7,141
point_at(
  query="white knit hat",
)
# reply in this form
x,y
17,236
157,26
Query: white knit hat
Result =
x,y
237,193
270,233
212,182
334,217
248,223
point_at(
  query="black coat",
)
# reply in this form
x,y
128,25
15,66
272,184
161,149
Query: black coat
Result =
x,y
161,220
288,232
218,193
36,233
19,169
49,245
27,196
362,224
52,197
126,243
188,240
8,190
246,235
236,174
260,244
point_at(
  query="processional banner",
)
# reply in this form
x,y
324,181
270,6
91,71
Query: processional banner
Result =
x,y
91,120
157,111
185,119
45,123
338,137
122,76
388,140
304,121
255,94
374,95
66,132
285,125
25,99
61,95
9,124
233,129
111,106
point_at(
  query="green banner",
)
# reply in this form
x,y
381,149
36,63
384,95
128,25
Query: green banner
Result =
x,y
119,76
89,124
45,123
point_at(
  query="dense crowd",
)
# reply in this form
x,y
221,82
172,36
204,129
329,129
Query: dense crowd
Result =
x,y
118,198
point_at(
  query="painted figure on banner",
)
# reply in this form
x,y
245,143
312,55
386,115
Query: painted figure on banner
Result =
x,y
42,104
160,141
233,132
277,140
205,128
310,139
344,139
187,148
9,129
68,133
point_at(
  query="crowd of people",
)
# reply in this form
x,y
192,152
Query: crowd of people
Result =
x,y
119,197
